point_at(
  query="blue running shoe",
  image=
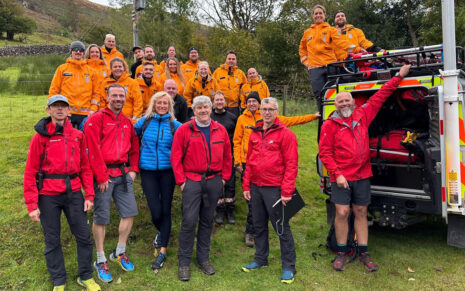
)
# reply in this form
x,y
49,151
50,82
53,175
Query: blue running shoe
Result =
x,y
252,266
158,263
122,260
157,241
103,272
287,277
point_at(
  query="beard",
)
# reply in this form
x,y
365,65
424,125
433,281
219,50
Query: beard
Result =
x,y
346,112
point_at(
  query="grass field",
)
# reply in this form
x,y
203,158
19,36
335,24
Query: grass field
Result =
x,y
421,247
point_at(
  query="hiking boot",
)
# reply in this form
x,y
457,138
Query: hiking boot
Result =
x,y
184,274
158,263
369,264
90,284
230,216
249,240
122,260
340,261
157,241
59,288
206,268
219,219
103,272
287,276
252,266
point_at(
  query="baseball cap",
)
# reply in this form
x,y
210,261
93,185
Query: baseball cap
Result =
x,y
57,98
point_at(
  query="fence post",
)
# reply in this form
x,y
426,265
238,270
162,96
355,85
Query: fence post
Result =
x,y
285,91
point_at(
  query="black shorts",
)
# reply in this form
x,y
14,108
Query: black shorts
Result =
x,y
358,193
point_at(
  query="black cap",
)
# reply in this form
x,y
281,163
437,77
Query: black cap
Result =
x,y
253,95
192,48
137,48
77,44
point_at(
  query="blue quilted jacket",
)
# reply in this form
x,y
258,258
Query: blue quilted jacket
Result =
x,y
155,148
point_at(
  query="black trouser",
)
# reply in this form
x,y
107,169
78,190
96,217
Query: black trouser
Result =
x,y
193,210
76,119
50,207
263,199
249,224
158,187
318,78
229,192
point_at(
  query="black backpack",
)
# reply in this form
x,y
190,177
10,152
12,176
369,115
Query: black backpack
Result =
x,y
331,242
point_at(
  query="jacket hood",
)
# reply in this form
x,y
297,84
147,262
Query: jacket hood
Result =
x,y
76,62
226,67
323,24
198,77
42,125
276,125
255,80
95,63
121,79
349,121
153,62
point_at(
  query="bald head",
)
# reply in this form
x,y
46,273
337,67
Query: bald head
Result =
x,y
344,104
170,87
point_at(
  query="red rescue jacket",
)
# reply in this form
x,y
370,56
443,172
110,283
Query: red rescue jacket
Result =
x,y
111,140
272,158
63,150
190,154
344,145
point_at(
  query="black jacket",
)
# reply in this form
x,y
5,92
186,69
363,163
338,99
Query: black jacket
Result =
x,y
134,68
228,120
180,108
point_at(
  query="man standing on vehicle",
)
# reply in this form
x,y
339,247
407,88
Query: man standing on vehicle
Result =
x,y
114,156
344,151
352,34
57,167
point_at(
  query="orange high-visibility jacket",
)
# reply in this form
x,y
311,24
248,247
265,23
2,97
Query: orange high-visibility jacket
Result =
x,y
134,105
242,132
102,71
354,36
197,87
78,82
176,78
230,81
317,43
256,84
108,56
157,69
146,91
163,65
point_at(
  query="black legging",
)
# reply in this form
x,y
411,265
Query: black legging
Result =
x,y
158,187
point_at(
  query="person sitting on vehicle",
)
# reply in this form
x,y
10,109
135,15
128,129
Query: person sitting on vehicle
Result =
x,y
173,71
242,132
180,103
316,50
171,53
344,151
109,50
139,55
351,34
148,83
133,106
156,131
254,83
201,84
54,175
78,82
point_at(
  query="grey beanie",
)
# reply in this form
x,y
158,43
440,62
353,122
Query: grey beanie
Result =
x,y
77,44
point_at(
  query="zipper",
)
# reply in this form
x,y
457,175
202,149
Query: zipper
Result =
x,y
72,155
156,143
116,138
66,156
204,142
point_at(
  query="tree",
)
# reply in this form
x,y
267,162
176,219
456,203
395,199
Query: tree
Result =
x,y
12,20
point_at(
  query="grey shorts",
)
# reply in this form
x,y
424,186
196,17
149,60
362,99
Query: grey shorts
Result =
x,y
358,193
125,201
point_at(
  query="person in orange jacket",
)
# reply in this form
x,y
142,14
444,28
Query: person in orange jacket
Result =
x,y
231,79
202,84
254,83
173,71
191,66
149,56
133,107
78,82
94,58
242,133
109,50
352,34
148,83
316,50
171,53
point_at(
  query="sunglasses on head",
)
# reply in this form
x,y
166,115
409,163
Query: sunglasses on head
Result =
x,y
76,49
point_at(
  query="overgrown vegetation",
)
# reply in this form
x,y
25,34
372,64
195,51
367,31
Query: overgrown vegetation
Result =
x,y
13,21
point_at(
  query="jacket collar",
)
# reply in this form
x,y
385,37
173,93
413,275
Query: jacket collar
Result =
x,y
349,122
276,125
76,62
320,25
199,78
46,127
95,63
255,80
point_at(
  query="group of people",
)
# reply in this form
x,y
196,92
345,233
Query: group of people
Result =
x,y
197,138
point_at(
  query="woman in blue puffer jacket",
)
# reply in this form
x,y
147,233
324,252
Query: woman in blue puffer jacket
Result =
x,y
156,131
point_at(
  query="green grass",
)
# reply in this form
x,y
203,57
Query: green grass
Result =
x,y
35,39
421,247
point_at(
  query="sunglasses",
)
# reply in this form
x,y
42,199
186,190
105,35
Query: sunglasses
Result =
x,y
76,49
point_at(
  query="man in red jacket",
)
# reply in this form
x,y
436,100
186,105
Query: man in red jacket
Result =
x,y
114,156
202,162
272,164
344,150
57,167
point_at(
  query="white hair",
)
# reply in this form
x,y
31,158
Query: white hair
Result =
x,y
109,36
200,100
271,100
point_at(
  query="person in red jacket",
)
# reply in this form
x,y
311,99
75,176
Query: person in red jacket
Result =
x,y
272,164
114,156
202,162
344,151
57,167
